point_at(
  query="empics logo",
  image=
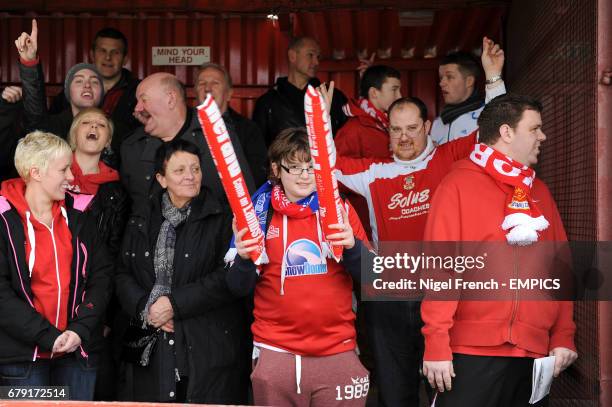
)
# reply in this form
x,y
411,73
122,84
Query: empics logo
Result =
x,y
303,257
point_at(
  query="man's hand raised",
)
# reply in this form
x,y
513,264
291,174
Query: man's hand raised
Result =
x,y
492,58
27,44
365,63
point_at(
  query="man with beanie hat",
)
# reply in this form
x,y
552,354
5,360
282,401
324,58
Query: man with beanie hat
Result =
x,y
77,96
83,88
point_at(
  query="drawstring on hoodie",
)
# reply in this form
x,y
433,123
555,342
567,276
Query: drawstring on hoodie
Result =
x,y
32,237
298,372
65,214
284,262
32,240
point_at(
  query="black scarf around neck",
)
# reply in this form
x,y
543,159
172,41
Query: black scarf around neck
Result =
x,y
163,258
451,111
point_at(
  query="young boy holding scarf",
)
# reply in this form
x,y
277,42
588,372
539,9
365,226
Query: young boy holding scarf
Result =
x,y
303,332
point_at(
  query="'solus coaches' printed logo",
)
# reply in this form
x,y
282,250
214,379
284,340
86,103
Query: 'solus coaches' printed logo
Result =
x,y
303,258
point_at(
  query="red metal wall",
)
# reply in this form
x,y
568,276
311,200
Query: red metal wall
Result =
x,y
253,47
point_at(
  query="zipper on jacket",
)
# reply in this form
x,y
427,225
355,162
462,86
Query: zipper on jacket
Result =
x,y
57,273
100,220
515,300
76,279
84,249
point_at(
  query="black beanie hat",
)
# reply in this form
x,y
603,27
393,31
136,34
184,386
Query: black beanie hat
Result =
x,y
70,77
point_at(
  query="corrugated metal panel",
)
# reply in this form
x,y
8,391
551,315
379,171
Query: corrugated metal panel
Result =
x,y
252,47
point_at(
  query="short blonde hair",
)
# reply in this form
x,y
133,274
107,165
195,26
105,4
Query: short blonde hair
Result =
x,y
38,149
79,118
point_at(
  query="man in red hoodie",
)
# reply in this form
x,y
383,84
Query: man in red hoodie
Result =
x,y
480,353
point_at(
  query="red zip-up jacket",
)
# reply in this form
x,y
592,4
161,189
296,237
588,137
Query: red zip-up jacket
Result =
x,y
469,206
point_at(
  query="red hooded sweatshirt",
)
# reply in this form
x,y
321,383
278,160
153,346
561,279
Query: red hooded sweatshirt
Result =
x,y
309,312
468,206
48,255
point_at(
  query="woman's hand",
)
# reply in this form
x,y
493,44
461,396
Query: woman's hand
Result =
x,y
160,312
345,235
244,247
168,326
67,342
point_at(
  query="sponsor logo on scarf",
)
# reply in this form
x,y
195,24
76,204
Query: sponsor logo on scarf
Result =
x,y
519,200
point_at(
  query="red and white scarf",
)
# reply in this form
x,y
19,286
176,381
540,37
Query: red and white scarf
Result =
x,y
364,104
302,209
523,218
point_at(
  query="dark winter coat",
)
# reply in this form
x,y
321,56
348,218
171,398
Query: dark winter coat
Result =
x,y
10,132
282,106
36,116
210,343
110,209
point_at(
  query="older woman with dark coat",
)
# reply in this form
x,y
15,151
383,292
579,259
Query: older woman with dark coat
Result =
x,y
172,281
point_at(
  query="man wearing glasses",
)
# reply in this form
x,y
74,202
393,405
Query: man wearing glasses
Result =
x,y
398,193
